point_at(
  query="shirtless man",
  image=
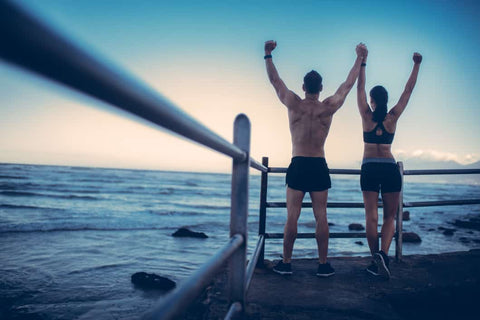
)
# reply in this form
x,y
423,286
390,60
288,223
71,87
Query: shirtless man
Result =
x,y
310,121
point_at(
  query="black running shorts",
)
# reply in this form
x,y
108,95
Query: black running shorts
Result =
x,y
308,174
380,176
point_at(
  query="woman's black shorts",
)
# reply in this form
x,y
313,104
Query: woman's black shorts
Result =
x,y
308,174
380,176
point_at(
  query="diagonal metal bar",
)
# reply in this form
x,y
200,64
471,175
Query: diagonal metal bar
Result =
x,y
32,44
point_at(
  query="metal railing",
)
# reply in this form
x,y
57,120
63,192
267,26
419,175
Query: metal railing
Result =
x,y
31,44
264,204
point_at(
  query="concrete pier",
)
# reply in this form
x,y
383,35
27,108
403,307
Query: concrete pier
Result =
x,y
439,286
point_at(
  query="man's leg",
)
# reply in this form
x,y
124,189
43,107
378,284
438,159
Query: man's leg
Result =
x,y
319,204
370,200
294,206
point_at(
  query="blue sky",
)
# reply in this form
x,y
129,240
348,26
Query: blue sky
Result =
x,y
207,57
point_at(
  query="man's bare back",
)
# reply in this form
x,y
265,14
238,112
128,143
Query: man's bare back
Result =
x,y
310,118
310,122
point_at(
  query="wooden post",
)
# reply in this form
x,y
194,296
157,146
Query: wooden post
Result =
x,y
263,212
399,231
239,210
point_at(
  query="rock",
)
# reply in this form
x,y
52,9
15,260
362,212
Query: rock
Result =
x,y
356,227
184,232
406,216
472,223
151,281
411,237
360,243
447,231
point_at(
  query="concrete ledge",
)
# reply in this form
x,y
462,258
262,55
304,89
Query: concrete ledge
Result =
x,y
439,286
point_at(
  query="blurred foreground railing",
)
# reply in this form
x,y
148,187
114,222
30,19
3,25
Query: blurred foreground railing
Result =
x,y
31,44
264,204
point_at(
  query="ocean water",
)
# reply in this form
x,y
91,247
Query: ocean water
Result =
x,y
71,237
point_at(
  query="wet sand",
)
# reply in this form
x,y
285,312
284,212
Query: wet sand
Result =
x,y
437,286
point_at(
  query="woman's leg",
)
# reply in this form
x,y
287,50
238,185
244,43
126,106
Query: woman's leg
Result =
x,y
390,208
370,199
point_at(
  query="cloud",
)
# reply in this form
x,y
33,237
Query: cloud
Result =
x,y
435,155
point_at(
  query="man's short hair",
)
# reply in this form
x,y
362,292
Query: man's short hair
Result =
x,y
312,82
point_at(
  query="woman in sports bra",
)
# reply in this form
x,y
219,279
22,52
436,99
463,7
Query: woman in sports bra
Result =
x,y
379,170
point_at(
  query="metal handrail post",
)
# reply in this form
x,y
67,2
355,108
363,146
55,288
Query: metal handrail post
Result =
x,y
239,210
263,211
399,237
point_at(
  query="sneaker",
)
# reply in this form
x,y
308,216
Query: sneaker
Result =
x,y
373,269
283,268
382,261
325,270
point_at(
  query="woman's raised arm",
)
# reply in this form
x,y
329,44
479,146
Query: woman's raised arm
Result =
x,y
407,92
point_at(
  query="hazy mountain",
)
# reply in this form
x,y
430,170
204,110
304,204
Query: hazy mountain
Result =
x,y
420,164
475,165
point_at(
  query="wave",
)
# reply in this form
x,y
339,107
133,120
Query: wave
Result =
x,y
13,177
180,213
200,206
99,180
17,186
25,229
106,266
213,194
167,191
64,188
14,206
34,194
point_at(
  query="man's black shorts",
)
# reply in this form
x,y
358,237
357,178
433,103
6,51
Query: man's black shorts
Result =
x,y
380,176
308,174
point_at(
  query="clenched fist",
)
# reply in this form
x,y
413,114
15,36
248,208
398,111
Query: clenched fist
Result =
x,y
417,57
270,45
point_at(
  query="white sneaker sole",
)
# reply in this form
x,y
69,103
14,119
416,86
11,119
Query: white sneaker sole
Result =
x,y
372,273
382,267
283,272
325,275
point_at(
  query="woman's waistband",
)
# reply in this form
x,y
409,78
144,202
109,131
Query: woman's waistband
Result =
x,y
379,160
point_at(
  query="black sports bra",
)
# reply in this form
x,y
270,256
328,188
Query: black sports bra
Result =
x,y
372,137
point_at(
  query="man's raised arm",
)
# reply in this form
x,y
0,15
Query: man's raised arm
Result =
x,y
286,96
337,100
361,93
